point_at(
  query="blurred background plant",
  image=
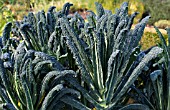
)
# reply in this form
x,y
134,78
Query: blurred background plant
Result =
x,y
158,10
150,39
11,10
5,14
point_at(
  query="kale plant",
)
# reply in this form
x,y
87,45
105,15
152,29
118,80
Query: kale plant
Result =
x,y
64,62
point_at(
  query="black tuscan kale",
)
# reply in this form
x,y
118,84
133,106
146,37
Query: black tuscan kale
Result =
x,y
65,62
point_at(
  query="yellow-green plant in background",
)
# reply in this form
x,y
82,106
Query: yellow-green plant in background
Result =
x,y
16,9
5,15
150,39
134,5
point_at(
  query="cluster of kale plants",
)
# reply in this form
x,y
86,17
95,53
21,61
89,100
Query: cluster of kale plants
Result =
x,y
54,61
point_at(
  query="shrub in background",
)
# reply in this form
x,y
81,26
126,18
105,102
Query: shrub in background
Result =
x,y
155,12
150,39
5,15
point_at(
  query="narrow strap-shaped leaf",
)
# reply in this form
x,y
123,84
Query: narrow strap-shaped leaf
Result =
x,y
115,78
6,33
168,32
128,73
102,53
51,20
54,40
42,16
80,61
112,24
63,92
135,107
74,103
110,74
50,95
4,96
26,37
168,71
40,65
99,9
119,28
45,34
66,8
139,34
25,66
138,31
32,37
99,55
73,36
154,52
123,9
156,78
168,84
91,17
164,45
26,56
32,81
17,83
143,96
29,78
131,20
27,95
122,60
57,75
41,55
101,22
120,39
85,93
7,87
32,20
41,34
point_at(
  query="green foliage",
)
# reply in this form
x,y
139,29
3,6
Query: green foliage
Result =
x,y
150,39
33,90
155,12
156,88
160,78
135,107
104,65
29,78
63,62
5,15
